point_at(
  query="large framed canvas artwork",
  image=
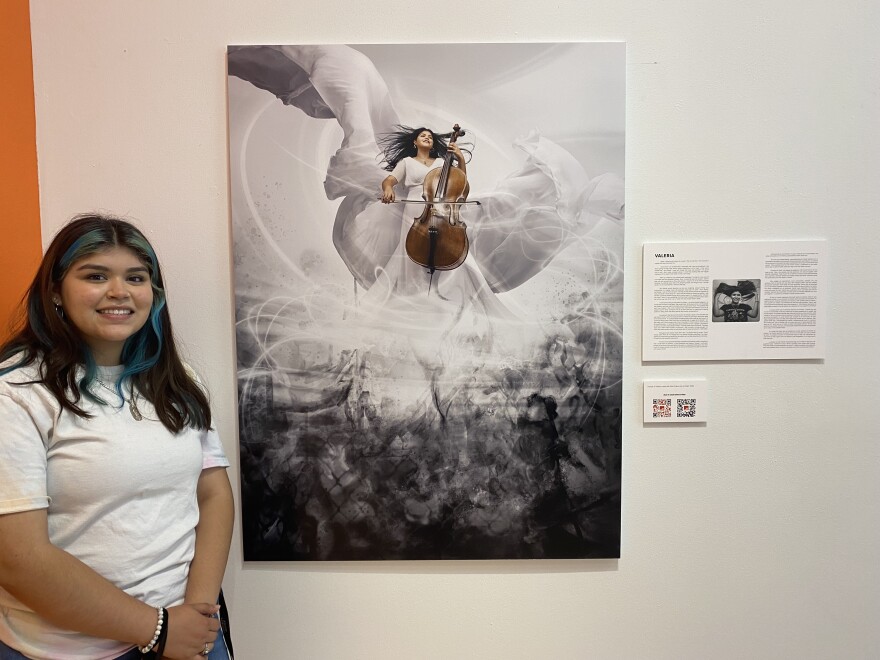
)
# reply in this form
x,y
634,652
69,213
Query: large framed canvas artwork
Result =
x,y
428,321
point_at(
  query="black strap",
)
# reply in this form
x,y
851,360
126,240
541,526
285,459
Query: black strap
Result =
x,y
224,625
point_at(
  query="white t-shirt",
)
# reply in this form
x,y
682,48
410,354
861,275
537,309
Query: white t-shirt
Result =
x,y
120,494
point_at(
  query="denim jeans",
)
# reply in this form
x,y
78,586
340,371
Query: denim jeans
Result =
x,y
219,652
7,653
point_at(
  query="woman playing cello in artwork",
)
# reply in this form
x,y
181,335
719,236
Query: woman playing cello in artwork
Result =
x,y
438,238
406,149
420,160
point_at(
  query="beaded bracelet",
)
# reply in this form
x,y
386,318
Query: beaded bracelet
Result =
x,y
159,625
163,636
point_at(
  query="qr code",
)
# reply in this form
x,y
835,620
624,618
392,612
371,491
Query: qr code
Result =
x,y
686,408
662,407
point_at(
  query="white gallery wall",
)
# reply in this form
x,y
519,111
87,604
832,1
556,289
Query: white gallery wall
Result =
x,y
756,535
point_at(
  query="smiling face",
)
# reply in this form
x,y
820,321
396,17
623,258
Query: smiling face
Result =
x,y
736,297
424,140
107,297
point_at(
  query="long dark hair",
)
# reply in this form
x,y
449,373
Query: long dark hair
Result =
x,y
150,360
400,143
746,288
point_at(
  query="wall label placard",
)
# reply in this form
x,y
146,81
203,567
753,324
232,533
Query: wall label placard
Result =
x,y
676,401
736,300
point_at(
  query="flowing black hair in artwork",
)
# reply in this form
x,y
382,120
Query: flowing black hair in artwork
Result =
x,y
746,287
400,143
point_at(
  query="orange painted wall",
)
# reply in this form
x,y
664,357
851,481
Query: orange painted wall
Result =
x,y
20,235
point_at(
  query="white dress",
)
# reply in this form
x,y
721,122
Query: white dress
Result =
x,y
464,284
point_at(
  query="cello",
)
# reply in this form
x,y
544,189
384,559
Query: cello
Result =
x,y
438,238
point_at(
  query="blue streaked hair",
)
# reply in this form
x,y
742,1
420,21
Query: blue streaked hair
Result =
x,y
149,357
141,351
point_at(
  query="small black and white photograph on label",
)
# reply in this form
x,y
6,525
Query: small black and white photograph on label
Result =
x,y
736,301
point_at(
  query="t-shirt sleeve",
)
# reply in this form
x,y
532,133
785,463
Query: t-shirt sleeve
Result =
x,y
23,460
212,450
399,171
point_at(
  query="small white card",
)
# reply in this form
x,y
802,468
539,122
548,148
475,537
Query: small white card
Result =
x,y
676,401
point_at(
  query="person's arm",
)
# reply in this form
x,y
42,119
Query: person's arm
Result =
x,y
388,189
213,535
716,308
69,594
460,164
753,312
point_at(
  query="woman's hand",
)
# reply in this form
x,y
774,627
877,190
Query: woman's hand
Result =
x,y
459,163
388,189
190,627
